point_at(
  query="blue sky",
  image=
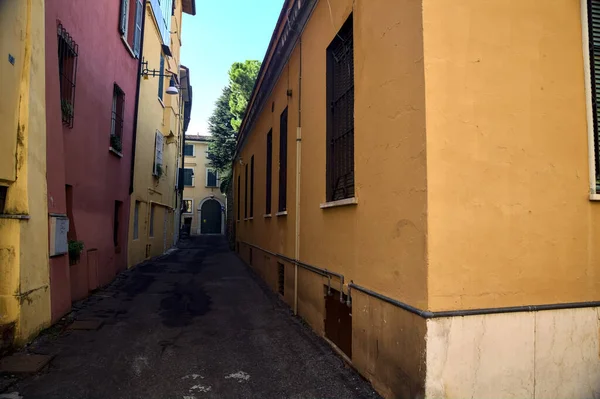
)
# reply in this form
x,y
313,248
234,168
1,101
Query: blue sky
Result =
x,y
222,32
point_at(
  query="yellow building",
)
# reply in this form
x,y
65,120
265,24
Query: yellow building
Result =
x,y
437,163
203,210
155,201
24,273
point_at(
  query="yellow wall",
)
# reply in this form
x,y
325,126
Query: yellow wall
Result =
x,y
24,277
164,117
387,230
381,242
199,192
510,222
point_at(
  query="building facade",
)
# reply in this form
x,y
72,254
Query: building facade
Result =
x,y
418,180
155,198
92,61
203,210
24,275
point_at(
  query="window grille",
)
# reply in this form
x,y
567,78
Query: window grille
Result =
x,y
594,44
269,171
283,121
67,68
340,115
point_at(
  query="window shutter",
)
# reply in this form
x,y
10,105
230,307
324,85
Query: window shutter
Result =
x,y
137,34
124,15
158,154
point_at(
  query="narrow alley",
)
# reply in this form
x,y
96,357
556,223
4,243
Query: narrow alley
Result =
x,y
194,324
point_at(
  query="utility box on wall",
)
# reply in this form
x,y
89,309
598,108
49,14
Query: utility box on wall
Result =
x,y
59,227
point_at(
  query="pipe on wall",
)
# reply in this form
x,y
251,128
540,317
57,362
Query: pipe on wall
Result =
x,y
298,167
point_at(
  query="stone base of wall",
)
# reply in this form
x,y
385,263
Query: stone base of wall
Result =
x,y
545,354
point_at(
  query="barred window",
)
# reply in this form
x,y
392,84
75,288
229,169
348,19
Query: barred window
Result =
x,y
67,69
252,186
246,194
340,115
161,78
269,171
594,45
283,122
239,196
118,110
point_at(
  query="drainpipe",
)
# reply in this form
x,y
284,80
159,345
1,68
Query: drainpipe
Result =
x,y
298,166
137,99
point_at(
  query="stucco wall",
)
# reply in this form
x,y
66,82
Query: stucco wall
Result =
x,y
24,276
80,156
163,117
199,191
510,222
379,243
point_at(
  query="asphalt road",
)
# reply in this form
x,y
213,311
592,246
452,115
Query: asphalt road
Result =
x,y
194,324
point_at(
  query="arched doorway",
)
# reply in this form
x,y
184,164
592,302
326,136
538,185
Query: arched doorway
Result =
x,y
210,217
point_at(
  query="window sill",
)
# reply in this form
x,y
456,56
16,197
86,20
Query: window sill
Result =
x,y
124,40
250,218
282,213
595,197
117,153
161,102
267,215
211,186
342,202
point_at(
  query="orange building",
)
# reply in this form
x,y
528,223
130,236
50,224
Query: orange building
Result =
x,y
417,179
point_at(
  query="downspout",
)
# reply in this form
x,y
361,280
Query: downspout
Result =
x,y
298,166
137,99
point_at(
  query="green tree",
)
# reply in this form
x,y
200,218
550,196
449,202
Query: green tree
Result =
x,y
242,76
222,146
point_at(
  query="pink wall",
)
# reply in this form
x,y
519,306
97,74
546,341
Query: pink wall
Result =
x,y
79,156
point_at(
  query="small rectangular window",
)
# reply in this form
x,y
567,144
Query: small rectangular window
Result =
x,y
269,171
117,222
340,115
281,278
246,194
3,191
188,205
152,220
283,161
161,78
212,178
136,220
67,69
252,186
188,177
118,111
188,150
238,197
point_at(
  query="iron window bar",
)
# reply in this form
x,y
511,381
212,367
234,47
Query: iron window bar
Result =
x,y
594,48
68,52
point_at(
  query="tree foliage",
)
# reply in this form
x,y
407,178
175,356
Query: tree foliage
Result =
x,y
227,116
222,145
242,76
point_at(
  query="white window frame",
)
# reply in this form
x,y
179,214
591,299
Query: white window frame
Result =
x,y
587,64
138,9
193,150
193,177
192,211
206,177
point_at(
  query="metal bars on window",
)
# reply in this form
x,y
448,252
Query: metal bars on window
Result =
x,y
594,43
269,176
118,109
246,194
252,186
340,115
283,133
67,69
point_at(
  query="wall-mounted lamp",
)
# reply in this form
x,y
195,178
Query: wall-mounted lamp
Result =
x,y
146,73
